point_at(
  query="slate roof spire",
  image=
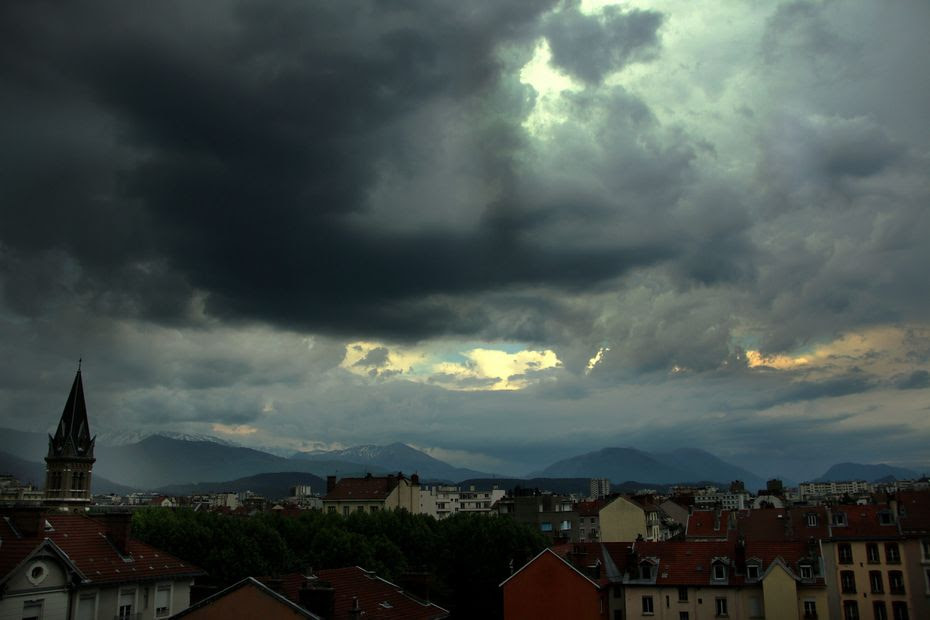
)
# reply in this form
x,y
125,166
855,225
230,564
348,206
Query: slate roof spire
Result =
x,y
72,438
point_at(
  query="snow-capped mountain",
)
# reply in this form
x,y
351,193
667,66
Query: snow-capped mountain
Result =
x,y
125,438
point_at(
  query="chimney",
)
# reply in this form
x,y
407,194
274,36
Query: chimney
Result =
x,y
356,612
330,484
318,597
740,559
119,525
29,521
415,479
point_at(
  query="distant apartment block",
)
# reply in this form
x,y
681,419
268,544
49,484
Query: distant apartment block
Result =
x,y
808,490
712,497
600,487
443,501
553,515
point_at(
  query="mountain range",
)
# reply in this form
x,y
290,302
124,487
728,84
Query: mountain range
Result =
x,y
627,464
396,457
160,460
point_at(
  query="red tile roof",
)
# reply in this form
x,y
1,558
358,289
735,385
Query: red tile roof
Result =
x,y
378,598
914,511
369,487
83,540
590,509
774,524
707,524
863,522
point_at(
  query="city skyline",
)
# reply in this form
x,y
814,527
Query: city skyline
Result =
x,y
503,234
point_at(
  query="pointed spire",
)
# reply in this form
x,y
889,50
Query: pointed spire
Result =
x,y
72,438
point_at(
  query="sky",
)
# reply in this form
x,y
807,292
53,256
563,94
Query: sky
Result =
x,y
502,232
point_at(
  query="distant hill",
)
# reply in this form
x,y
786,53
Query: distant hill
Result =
x,y
396,457
869,473
34,473
680,466
272,486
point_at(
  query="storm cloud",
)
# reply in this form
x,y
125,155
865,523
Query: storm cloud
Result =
x,y
217,201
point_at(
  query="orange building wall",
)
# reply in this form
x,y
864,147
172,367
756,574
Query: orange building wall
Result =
x,y
549,588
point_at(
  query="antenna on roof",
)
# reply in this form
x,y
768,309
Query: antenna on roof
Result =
x,y
80,359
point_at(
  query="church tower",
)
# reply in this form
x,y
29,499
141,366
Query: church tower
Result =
x,y
70,459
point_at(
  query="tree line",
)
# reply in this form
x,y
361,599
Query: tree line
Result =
x,y
465,556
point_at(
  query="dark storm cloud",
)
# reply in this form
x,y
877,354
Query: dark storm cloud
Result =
x,y
917,380
227,148
589,47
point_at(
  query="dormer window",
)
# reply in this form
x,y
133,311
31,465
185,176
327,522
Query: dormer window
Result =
x,y
752,572
811,519
645,570
807,571
886,518
719,571
839,519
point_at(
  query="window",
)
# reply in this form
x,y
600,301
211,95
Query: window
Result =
x,y
32,610
645,570
683,615
892,555
839,519
545,526
848,582
682,594
925,548
565,525
752,572
875,581
850,610
720,571
886,518
755,607
87,607
845,553
811,519
618,614
879,611
163,600
720,606
127,600
345,511
899,610
871,552
647,605
810,609
896,582
331,510
807,571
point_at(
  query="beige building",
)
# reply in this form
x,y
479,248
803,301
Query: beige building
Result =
x,y
372,493
864,563
621,519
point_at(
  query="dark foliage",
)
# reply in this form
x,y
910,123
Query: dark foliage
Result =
x,y
466,555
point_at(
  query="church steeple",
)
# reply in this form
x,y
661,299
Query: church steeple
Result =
x,y
70,458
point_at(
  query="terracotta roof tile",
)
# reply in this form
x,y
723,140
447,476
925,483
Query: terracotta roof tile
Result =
x,y
370,487
83,540
864,522
378,599
914,511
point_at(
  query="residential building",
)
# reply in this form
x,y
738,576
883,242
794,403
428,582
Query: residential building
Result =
x,y
600,487
712,497
442,501
549,586
913,511
246,599
864,567
553,515
815,490
353,593
372,493
56,564
622,519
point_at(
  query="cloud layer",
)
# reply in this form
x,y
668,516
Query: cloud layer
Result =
x,y
352,223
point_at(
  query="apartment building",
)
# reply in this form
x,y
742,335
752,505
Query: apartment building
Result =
x,y
442,501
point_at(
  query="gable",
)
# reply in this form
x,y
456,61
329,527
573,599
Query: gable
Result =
x,y
41,570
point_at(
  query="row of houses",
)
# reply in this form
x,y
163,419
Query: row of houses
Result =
x,y
845,562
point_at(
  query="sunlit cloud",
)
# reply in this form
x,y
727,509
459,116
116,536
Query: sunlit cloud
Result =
x,y
596,359
234,429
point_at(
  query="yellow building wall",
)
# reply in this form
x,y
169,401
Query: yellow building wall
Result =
x,y
621,520
780,594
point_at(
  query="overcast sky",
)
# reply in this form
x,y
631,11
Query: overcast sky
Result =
x,y
503,232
